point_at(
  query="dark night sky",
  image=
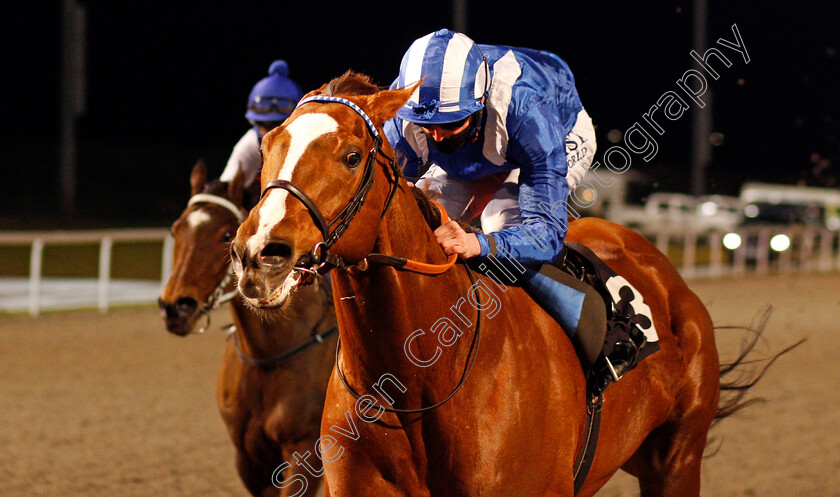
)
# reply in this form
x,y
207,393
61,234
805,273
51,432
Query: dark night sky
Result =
x,y
167,84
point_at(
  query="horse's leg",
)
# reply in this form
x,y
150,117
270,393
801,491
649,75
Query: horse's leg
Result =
x,y
255,479
304,468
668,462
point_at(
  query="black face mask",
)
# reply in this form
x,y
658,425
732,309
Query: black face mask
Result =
x,y
455,142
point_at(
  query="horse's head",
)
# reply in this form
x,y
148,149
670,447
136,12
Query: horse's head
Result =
x,y
202,253
327,178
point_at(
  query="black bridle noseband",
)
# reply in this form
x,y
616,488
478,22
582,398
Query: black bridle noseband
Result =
x,y
320,260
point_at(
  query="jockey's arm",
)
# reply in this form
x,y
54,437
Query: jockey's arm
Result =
x,y
245,155
539,146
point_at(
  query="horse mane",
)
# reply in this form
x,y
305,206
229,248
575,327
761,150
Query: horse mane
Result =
x,y
427,208
351,83
215,187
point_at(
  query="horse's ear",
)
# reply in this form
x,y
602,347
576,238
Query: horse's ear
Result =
x,y
385,104
198,177
236,187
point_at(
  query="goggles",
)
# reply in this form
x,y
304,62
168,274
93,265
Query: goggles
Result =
x,y
268,105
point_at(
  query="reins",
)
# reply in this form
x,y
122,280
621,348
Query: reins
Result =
x,y
287,355
408,264
472,354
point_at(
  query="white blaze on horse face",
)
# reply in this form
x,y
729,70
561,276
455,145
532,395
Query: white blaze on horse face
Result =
x,y
303,131
197,218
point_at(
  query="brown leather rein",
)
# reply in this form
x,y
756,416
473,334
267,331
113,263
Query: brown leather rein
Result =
x,y
409,264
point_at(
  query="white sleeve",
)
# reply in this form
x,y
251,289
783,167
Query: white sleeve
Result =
x,y
246,154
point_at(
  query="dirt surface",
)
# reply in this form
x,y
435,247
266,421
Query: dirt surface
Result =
x,y
111,405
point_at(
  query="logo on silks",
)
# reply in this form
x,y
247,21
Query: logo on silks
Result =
x,y
629,301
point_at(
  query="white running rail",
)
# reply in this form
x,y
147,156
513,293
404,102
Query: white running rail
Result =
x,y
696,255
762,250
106,239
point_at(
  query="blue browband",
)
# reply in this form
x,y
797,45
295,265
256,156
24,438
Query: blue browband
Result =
x,y
325,98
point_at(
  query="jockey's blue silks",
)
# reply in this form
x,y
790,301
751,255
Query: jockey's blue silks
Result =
x,y
531,106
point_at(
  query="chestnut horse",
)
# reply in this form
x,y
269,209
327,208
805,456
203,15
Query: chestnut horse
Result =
x,y
409,340
271,384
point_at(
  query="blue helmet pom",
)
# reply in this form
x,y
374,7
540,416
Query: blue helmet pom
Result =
x,y
280,68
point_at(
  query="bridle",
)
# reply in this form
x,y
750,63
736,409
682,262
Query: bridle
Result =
x,y
219,295
320,260
287,355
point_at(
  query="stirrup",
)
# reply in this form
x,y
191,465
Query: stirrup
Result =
x,y
605,373
610,369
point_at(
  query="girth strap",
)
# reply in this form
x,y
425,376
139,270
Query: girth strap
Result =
x,y
590,437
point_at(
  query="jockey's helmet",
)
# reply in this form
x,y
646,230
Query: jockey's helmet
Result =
x,y
455,78
274,97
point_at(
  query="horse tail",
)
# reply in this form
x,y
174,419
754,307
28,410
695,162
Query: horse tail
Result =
x,y
748,371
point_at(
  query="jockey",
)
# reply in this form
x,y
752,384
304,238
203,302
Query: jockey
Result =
x,y
504,135
495,124
271,101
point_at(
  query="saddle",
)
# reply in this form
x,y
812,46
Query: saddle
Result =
x,y
630,335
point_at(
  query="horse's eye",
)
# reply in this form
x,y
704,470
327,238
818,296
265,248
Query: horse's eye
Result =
x,y
353,159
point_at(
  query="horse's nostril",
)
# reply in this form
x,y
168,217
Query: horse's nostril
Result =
x,y
185,306
276,253
235,260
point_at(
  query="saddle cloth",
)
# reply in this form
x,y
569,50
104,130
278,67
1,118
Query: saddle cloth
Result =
x,y
624,303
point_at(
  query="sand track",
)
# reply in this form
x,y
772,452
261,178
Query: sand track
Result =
x,y
111,405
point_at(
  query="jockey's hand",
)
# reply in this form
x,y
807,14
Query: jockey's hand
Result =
x,y
454,240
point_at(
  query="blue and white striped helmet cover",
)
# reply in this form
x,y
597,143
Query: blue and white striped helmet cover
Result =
x,y
454,76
